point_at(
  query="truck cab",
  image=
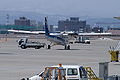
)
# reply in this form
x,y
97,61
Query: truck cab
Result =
x,y
22,40
75,72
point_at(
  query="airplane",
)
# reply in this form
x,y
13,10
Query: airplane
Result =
x,y
56,40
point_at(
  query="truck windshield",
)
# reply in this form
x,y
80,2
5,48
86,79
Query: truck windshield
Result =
x,y
72,71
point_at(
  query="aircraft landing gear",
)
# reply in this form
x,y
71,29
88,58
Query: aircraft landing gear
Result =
x,y
67,47
49,47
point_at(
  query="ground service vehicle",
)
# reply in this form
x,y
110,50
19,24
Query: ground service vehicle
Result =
x,y
66,72
24,43
82,39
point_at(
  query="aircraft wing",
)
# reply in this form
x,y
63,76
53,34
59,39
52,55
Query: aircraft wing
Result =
x,y
117,18
63,34
94,34
27,32
34,32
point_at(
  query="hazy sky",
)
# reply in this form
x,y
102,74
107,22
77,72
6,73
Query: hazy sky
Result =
x,y
94,8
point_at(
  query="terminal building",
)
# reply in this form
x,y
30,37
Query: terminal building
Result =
x,y
74,24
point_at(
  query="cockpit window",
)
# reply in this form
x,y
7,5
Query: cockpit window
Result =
x,y
72,71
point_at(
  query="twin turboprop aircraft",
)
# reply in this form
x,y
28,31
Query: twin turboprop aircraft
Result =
x,y
57,40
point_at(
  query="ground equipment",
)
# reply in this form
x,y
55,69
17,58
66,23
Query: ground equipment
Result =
x,y
91,75
24,43
114,53
66,72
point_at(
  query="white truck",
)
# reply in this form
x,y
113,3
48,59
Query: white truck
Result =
x,y
66,72
24,43
82,39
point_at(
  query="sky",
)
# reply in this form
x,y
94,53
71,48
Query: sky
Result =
x,y
92,8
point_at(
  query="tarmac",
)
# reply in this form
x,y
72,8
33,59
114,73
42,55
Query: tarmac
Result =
x,y
17,63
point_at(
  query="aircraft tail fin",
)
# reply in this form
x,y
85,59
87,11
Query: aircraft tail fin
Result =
x,y
46,27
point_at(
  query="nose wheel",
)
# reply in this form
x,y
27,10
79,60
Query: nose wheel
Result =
x,y
67,47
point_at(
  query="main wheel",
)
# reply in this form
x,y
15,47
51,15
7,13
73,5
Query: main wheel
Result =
x,y
68,47
49,46
65,47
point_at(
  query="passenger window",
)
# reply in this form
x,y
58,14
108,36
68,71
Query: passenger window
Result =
x,y
72,71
